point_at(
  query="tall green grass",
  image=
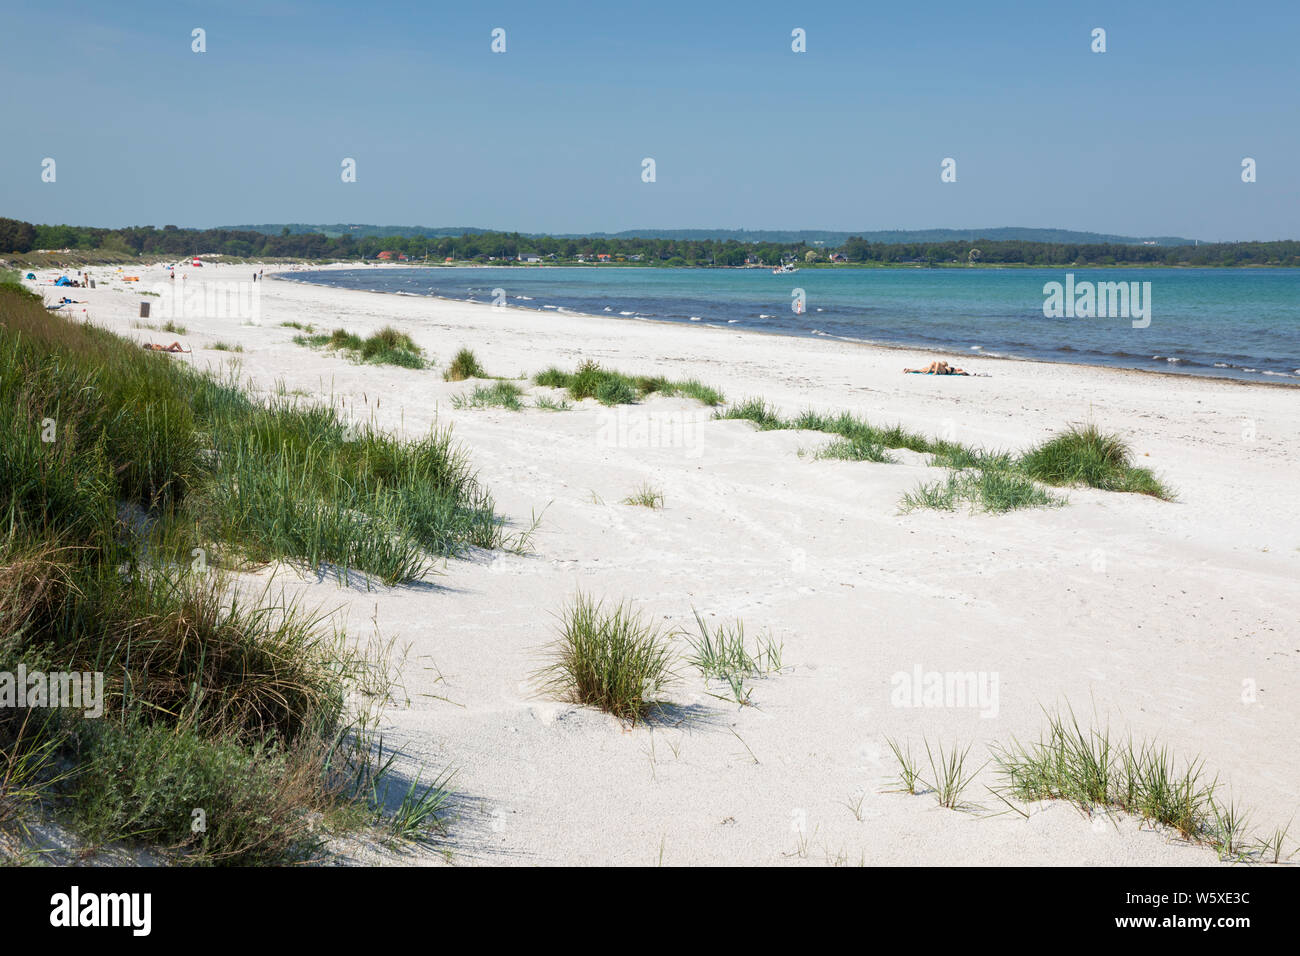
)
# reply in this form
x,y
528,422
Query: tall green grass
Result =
x,y
608,387
1093,458
388,346
129,487
1091,770
646,496
994,490
996,481
1088,767
612,659
503,394
464,365
722,653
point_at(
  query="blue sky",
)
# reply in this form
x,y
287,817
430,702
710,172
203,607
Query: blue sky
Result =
x,y
1147,138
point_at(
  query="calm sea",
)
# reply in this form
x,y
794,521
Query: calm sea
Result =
x,y
1234,323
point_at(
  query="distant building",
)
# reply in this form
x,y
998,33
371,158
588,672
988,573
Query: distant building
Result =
x,y
529,257
388,255
602,257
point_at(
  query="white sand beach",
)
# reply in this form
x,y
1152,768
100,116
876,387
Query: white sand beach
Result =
x,y
1174,621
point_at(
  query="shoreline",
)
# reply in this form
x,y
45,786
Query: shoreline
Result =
x,y
956,357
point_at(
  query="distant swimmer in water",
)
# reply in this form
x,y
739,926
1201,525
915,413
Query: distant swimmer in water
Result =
x,y
937,368
154,347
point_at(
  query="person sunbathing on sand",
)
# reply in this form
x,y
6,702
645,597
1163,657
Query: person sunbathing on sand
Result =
x,y
937,368
153,347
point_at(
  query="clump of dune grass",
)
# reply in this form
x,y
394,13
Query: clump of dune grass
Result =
x,y
299,326
29,752
340,339
960,457
934,495
463,365
1097,773
497,395
615,392
1272,845
908,774
609,387
226,347
170,326
858,431
855,449
1088,456
546,403
755,410
588,378
646,496
998,491
1088,769
612,659
950,774
388,346
722,653
996,481
391,347
553,378
992,490
693,388
723,650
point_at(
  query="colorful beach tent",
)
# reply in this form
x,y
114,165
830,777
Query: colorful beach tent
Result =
x,y
63,280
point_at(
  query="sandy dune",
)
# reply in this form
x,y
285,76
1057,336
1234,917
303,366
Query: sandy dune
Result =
x,y
1149,614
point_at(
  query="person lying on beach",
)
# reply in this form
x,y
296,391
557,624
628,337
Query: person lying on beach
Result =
x,y
937,368
154,347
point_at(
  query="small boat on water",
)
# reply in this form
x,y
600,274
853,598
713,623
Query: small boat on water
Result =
x,y
783,269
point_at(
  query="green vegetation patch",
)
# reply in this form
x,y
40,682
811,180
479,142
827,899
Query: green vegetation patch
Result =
x,y
608,387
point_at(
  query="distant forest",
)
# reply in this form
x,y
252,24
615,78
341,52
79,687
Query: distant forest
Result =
x,y
814,237
130,242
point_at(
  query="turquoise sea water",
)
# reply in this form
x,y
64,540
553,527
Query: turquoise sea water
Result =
x,y
1236,323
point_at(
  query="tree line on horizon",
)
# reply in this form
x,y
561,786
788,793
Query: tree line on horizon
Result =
x,y
21,237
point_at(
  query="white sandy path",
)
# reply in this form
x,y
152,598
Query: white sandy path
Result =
x,y
1147,613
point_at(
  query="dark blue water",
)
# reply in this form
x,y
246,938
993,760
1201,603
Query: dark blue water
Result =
x,y
1235,323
